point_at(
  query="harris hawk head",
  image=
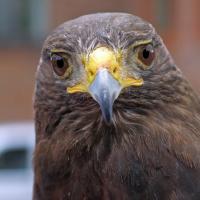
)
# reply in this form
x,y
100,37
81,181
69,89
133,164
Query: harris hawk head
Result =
x,y
115,118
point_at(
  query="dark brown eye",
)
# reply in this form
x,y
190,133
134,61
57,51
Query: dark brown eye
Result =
x,y
146,54
59,63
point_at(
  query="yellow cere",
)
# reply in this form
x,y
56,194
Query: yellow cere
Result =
x,y
101,58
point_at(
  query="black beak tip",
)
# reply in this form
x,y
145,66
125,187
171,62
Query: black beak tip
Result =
x,y
108,119
107,115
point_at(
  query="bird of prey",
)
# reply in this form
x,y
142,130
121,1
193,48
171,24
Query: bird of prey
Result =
x,y
115,118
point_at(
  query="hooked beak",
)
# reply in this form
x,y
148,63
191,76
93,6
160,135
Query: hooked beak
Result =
x,y
105,89
104,79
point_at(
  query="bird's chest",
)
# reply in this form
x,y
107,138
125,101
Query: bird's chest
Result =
x,y
122,170
113,177
106,172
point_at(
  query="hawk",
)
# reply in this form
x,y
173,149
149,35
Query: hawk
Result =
x,y
115,118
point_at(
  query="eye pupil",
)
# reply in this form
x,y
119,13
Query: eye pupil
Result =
x,y
60,63
146,53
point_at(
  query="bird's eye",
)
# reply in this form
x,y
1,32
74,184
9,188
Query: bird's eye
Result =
x,y
59,63
146,54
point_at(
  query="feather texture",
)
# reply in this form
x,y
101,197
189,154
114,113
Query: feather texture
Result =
x,y
152,148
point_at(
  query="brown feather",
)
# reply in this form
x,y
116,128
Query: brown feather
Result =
x,y
152,148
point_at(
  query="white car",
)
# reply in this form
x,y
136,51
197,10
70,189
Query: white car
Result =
x,y
16,152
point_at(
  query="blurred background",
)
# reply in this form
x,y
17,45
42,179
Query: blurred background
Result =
x,y
24,24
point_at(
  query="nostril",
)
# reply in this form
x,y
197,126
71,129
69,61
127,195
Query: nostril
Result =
x,y
91,73
115,70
